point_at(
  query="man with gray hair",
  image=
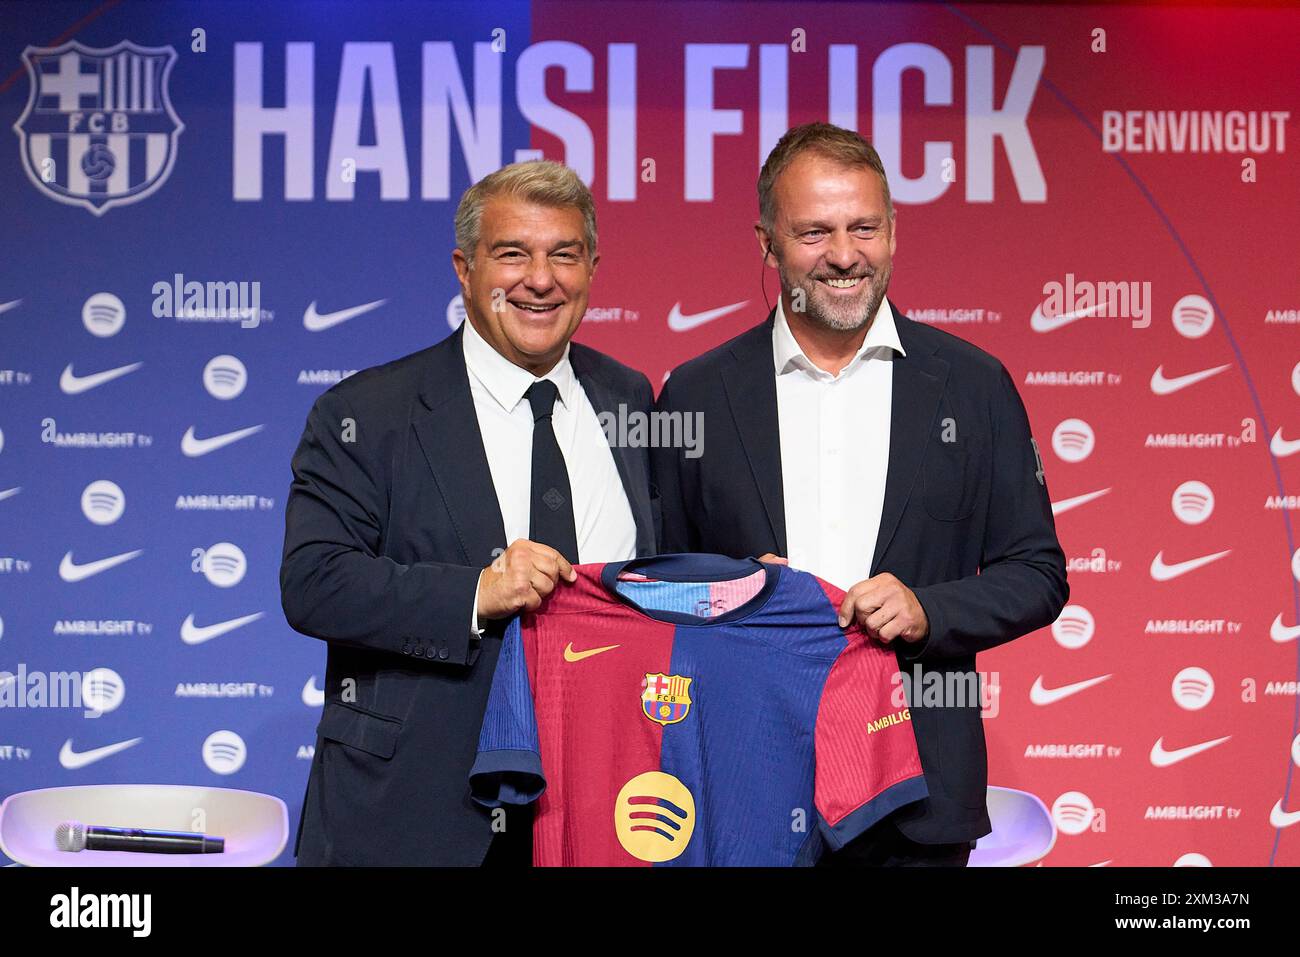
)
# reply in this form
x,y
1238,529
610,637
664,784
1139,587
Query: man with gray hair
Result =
x,y
474,476
889,458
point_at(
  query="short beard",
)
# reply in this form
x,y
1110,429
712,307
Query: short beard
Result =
x,y
843,317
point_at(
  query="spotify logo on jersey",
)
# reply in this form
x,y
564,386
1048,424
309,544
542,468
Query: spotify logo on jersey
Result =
x,y
654,817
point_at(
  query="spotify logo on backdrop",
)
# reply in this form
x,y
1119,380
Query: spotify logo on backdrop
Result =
x,y
103,502
224,377
103,315
224,564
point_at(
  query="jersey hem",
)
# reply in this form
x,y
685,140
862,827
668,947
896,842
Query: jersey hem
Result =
x,y
876,809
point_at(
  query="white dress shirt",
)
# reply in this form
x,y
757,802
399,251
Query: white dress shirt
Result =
x,y
835,450
601,513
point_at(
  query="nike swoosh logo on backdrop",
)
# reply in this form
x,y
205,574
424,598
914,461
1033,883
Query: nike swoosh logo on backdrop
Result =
x,y
10,492
72,760
193,634
1065,504
1041,323
1163,573
194,447
70,571
1040,695
1283,447
571,655
1280,818
317,321
312,696
12,304
678,322
1163,759
1162,386
1281,634
73,384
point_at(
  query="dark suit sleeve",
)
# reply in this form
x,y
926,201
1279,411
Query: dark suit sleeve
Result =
x,y
1021,585
676,531
334,583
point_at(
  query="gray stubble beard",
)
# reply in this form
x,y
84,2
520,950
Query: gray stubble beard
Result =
x,y
878,284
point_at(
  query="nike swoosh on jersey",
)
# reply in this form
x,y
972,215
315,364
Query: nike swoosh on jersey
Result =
x,y
571,655
1043,696
10,492
312,696
678,322
193,634
316,321
1163,759
70,571
194,447
72,384
1283,447
1280,633
1041,323
72,760
1065,504
1163,386
1280,818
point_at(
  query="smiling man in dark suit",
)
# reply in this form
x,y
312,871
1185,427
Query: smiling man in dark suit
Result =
x,y
891,459
436,496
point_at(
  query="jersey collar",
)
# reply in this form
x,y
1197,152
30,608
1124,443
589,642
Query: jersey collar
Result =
x,y
693,568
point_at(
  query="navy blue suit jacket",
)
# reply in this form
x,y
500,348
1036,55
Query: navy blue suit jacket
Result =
x,y
966,524
391,516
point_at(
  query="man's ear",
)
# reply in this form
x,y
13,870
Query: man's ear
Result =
x,y
461,265
764,241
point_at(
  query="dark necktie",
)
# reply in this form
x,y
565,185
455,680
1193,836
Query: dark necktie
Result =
x,y
550,511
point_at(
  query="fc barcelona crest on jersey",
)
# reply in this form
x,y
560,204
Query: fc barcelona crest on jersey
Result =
x,y
99,130
666,698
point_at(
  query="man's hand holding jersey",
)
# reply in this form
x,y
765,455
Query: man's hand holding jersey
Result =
x,y
881,605
520,578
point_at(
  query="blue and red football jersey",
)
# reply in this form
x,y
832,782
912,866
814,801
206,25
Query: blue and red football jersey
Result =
x,y
694,710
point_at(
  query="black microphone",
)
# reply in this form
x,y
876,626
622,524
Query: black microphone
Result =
x,y
72,836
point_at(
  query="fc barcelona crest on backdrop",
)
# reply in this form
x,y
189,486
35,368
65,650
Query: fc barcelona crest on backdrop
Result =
x,y
666,698
99,130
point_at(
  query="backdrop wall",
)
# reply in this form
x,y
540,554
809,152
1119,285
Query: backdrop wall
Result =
x,y
301,162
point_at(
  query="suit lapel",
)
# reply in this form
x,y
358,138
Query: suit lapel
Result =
x,y
447,428
918,382
750,383
447,421
631,471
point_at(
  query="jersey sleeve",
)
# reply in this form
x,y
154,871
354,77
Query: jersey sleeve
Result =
x,y
508,769
867,764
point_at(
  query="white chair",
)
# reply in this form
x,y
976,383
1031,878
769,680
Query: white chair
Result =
x,y
1023,830
255,826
